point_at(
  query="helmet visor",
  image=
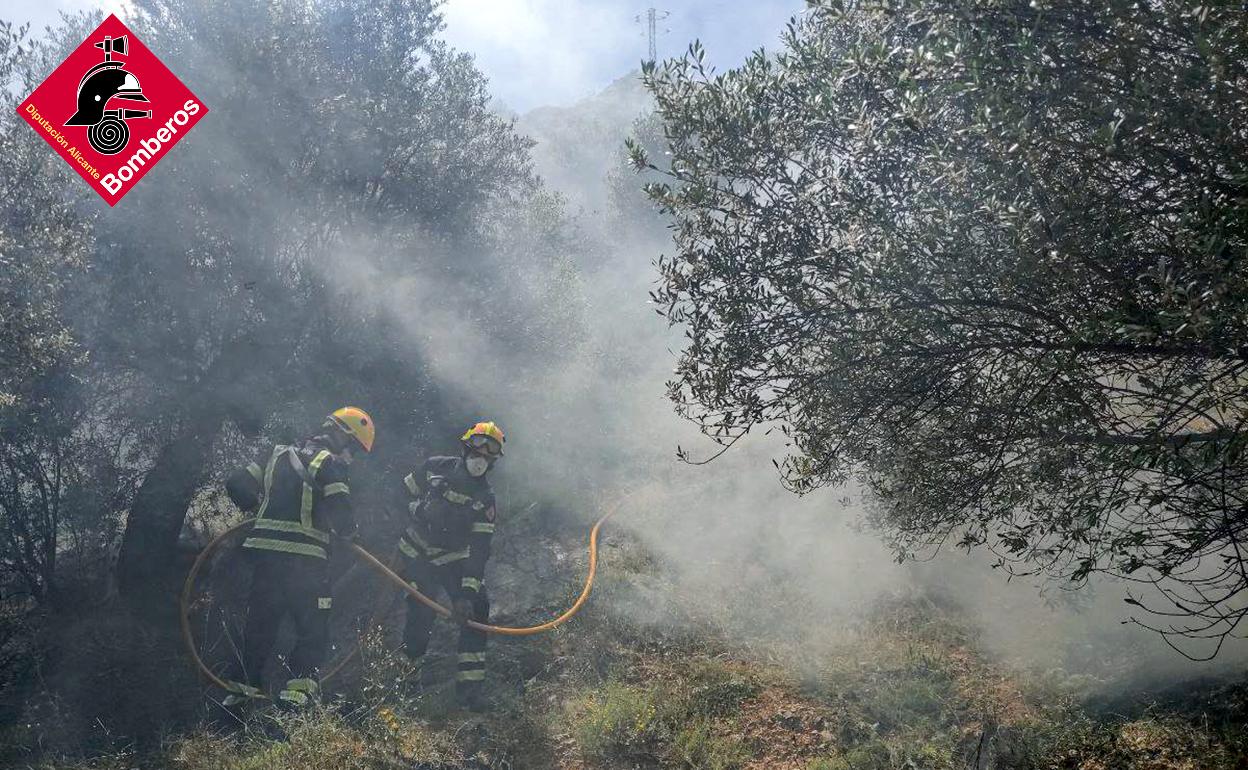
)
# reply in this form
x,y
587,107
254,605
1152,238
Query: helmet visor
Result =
x,y
488,445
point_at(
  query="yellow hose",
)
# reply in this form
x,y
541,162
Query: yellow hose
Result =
x,y
189,638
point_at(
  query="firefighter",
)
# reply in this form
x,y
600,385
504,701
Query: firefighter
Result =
x,y
447,543
300,494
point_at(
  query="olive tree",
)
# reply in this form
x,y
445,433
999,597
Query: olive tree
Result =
x,y
44,242
988,259
327,121
43,239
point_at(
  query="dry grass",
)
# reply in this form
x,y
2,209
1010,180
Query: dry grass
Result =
x,y
323,739
907,687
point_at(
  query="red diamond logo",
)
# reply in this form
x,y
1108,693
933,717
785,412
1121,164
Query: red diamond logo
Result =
x,y
112,110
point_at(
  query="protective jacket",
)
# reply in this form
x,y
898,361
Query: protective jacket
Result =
x,y
300,493
451,519
446,546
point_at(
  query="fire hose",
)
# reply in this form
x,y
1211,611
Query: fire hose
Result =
x,y
367,558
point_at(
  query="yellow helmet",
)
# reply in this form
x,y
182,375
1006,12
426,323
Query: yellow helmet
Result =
x,y
486,436
355,421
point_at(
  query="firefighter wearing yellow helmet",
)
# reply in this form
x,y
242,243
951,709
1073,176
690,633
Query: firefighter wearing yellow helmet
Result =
x,y
452,513
301,493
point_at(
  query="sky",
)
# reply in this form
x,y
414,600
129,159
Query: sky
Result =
x,y
556,52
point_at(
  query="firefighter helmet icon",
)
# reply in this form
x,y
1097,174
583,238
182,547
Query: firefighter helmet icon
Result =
x,y
107,131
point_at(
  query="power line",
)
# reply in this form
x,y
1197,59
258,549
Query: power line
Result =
x,y
652,17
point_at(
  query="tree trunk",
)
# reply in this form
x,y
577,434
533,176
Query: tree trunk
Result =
x,y
149,545
160,505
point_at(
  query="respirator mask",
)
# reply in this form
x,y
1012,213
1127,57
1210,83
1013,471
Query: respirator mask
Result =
x,y
476,465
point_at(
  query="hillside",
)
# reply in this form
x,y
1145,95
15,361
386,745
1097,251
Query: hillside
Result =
x,y
578,145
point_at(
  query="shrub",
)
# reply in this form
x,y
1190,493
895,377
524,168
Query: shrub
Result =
x,y
911,697
722,699
718,690
697,746
619,719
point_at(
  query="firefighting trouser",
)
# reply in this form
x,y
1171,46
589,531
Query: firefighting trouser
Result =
x,y
426,578
284,585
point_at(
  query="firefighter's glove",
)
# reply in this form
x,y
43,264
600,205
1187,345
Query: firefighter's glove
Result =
x,y
461,610
240,693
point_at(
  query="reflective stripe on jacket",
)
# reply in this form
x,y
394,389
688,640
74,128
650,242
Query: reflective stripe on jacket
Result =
x,y
452,518
305,493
